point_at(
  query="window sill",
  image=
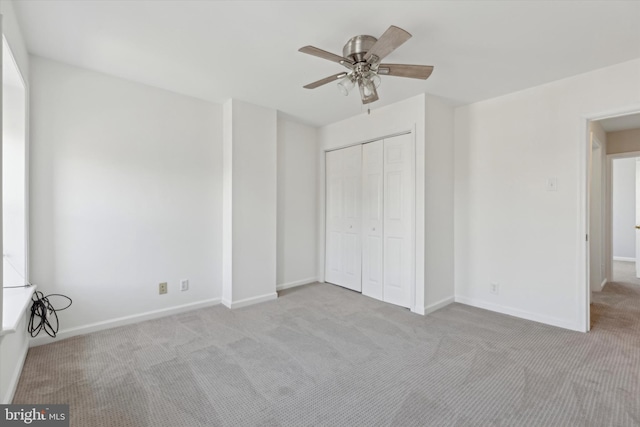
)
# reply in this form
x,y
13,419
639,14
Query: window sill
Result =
x,y
14,304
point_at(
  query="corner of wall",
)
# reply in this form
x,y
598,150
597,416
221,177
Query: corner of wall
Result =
x,y
250,202
439,203
227,200
297,203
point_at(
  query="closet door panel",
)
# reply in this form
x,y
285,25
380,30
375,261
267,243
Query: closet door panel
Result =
x,y
343,212
372,224
398,224
333,268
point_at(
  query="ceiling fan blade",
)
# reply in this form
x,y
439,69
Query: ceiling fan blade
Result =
x,y
387,43
402,70
325,81
310,50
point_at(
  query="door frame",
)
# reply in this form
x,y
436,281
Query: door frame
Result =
x,y
584,253
596,144
418,264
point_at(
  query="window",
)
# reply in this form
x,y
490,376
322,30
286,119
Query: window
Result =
x,y
14,188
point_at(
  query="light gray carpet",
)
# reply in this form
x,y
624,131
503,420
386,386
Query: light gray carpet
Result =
x,y
325,356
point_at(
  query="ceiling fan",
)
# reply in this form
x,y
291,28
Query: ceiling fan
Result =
x,y
362,56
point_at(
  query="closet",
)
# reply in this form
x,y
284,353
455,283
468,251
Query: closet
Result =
x,y
370,218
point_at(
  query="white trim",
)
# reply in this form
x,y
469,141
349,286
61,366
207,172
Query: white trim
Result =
x,y
553,321
604,282
13,383
584,156
295,283
624,258
413,303
122,321
366,141
438,305
250,301
624,155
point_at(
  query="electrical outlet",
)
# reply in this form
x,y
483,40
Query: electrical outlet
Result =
x,y
184,285
494,288
162,288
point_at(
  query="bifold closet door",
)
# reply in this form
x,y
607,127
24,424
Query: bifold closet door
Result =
x,y
399,219
343,254
372,221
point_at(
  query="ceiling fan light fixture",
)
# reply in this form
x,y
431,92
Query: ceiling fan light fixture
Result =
x,y
346,84
368,92
375,79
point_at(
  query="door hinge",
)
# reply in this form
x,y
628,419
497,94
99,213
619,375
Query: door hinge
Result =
x,y
587,236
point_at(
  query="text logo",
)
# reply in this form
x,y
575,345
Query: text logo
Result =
x,y
34,415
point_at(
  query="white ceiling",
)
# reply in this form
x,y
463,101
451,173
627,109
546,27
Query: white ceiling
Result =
x,y
614,124
217,50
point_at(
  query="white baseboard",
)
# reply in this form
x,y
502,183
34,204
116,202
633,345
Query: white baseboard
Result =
x,y
604,282
438,305
250,301
623,258
121,321
296,283
560,323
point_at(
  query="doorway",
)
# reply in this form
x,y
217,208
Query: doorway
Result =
x,y
624,212
625,215
608,139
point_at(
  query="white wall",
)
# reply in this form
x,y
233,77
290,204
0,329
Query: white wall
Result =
x,y
431,120
126,185
624,208
297,204
250,168
439,253
508,228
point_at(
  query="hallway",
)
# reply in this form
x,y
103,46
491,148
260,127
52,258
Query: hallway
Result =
x,y
617,308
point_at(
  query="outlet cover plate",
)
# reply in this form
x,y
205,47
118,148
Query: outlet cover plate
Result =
x,y
162,288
